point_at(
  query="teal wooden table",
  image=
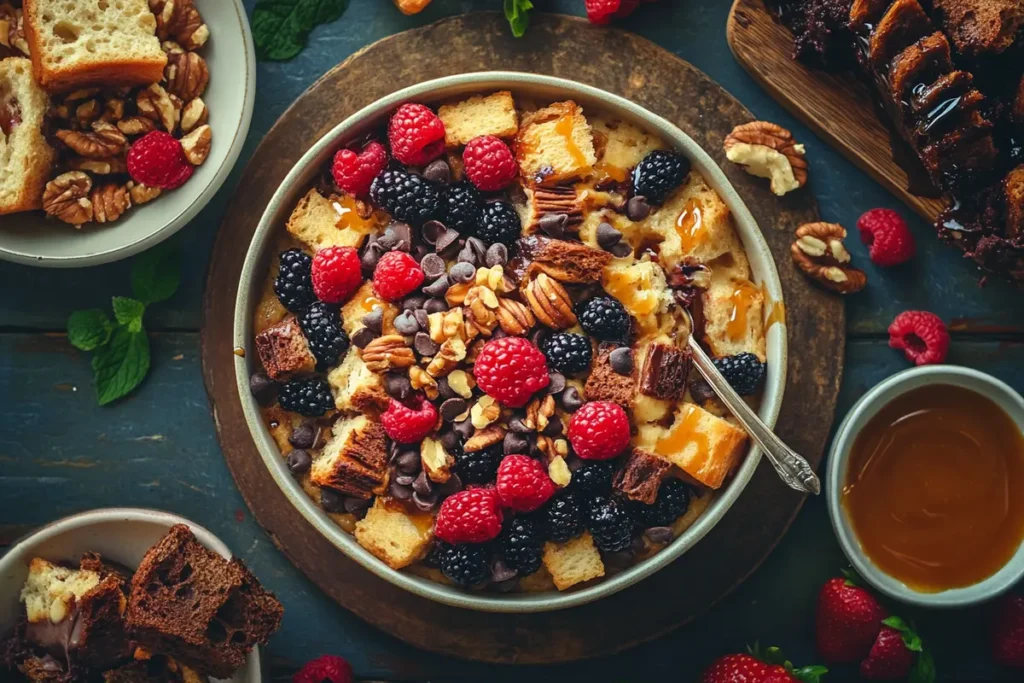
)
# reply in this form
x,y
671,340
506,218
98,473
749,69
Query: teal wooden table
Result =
x,y
60,453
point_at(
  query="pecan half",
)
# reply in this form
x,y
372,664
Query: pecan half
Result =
x,y
819,252
550,302
67,198
155,103
768,150
113,110
187,75
197,145
99,166
483,438
141,194
194,114
539,412
134,126
389,352
103,142
110,202
514,317
556,200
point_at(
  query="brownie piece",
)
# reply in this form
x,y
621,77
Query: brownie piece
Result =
x,y
640,476
980,26
99,637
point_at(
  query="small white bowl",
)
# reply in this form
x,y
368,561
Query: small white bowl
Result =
x,y
35,240
866,408
122,535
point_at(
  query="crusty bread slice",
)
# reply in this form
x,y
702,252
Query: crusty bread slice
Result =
x,y
733,315
397,538
317,223
51,591
494,115
555,144
81,43
25,156
357,389
574,561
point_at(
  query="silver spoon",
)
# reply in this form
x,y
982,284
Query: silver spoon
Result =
x,y
792,468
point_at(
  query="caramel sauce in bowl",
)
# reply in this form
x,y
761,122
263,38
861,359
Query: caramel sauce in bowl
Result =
x,y
926,486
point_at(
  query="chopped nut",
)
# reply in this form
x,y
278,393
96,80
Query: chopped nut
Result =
x,y
437,462
197,145
87,112
186,74
484,437
557,200
767,150
155,103
110,202
559,471
484,412
514,317
180,21
67,198
113,110
538,413
82,94
133,126
456,294
446,325
451,352
819,252
104,141
194,115
481,306
420,380
550,302
389,352
99,166
141,194
459,381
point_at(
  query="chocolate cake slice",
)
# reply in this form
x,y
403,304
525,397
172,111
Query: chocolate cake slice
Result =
x,y
980,27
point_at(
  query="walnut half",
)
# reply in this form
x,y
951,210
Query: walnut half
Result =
x,y
67,197
819,252
767,150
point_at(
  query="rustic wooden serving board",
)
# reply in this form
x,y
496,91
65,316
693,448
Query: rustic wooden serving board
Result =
x,y
838,107
639,70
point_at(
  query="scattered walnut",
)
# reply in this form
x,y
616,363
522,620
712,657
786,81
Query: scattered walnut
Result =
x,y
110,202
514,317
447,324
197,145
550,302
559,471
421,381
767,150
484,437
461,383
113,110
538,413
79,95
484,412
481,306
180,21
187,75
102,142
67,198
389,352
12,32
437,462
107,166
87,112
141,194
494,279
193,115
447,359
456,294
134,126
155,103
819,252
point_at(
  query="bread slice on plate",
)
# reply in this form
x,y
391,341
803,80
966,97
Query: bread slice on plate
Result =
x,y
25,156
79,44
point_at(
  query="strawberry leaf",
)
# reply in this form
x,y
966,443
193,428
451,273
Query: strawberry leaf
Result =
x,y
924,669
910,637
809,674
852,578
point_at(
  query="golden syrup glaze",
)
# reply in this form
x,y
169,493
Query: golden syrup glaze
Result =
x,y
742,298
776,310
690,226
348,215
684,433
564,127
604,172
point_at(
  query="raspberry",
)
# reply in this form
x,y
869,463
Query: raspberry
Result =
x,y
416,135
353,172
523,483
658,174
887,236
396,275
921,335
510,370
743,372
410,421
336,274
602,11
599,430
325,669
158,160
499,222
489,163
470,516
604,318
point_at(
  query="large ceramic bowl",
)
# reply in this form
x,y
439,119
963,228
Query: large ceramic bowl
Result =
x,y
34,240
122,535
541,88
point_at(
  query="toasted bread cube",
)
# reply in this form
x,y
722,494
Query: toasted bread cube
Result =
x,y
704,446
622,146
362,304
284,351
319,222
356,388
640,476
734,317
355,460
479,115
25,156
694,222
396,538
555,144
51,591
574,561
642,289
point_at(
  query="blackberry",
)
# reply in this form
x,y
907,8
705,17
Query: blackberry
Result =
x,y
499,223
521,544
567,352
321,324
594,476
309,397
462,206
294,282
743,371
604,318
560,518
659,173
609,521
478,467
672,502
465,564
406,196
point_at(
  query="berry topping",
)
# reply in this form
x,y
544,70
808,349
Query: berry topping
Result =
x,y
599,430
672,502
158,160
410,421
396,275
561,518
325,669
462,206
489,163
464,564
847,622
568,353
609,522
336,274
416,135
499,222
321,323
294,283
354,171
593,476
658,174
309,397
602,11
510,370
1008,631
888,238
604,318
470,516
921,335
523,483
889,658
406,196
743,372
477,467
521,545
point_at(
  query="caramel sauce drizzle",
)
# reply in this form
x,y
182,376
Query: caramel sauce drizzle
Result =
x,y
740,301
690,226
684,433
564,127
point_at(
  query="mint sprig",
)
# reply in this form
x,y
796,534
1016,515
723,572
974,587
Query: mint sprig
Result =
x,y
518,14
280,28
121,348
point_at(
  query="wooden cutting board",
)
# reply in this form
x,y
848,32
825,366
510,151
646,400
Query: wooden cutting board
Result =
x,y
637,69
838,107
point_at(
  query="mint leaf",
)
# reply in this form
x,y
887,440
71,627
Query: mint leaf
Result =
x,y
129,312
280,27
517,13
156,274
924,669
121,365
89,329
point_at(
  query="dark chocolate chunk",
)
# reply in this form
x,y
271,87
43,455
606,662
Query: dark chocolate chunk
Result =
x,y
363,336
621,360
571,400
659,534
414,302
263,389
462,272
452,408
446,239
303,436
299,461
621,249
497,255
435,306
353,505
406,324
397,386
438,287
553,224
556,383
637,208
515,443
607,236
374,319
432,231
423,485
424,503
331,500
438,171
465,429
433,266
408,462
424,345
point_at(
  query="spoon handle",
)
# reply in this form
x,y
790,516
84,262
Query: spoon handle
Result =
x,y
792,469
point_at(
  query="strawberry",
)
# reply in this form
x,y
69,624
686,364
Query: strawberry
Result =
x,y
889,659
1008,631
848,620
754,666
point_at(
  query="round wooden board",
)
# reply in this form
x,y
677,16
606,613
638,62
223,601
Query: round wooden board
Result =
x,y
637,69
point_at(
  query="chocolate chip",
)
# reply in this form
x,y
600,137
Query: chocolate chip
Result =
x,y
413,302
479,248
263,389
622,249
515,443
467,255
374,319
438,287
423,485
701,391
445,389
462,272
331,500
433,266
659,534
397,386
553,224
419,251
303,436
554,427
399,492
499,333
400,234
465,429
394,448
405,479
424,503
369,259
621,360
535,450
408,462
406,324
571,400
538,336
299,461
607,236
447,239
497,255
363,336
620,559
637,208
452,408
438,171
517,425
450,441
422,318
636,545
431,231
556,383
453,485
354,505
501,572
424,345
435,306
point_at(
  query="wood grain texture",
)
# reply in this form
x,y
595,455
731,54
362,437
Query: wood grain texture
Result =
x,y
838,107
634,68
